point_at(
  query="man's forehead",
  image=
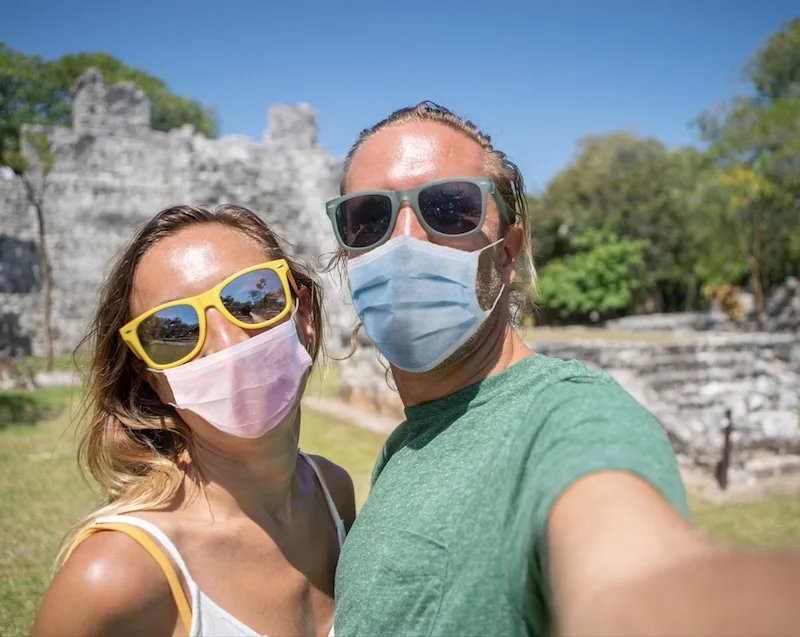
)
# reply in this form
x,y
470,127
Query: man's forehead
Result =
x,y
404,155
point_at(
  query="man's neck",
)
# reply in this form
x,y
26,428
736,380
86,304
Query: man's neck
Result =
x,y
501,348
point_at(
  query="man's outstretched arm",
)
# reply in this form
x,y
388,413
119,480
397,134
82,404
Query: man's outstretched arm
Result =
x,y
622,561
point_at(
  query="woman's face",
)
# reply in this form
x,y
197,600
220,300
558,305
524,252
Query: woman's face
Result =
x,y
191,262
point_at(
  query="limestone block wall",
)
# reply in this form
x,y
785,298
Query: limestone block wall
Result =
x,y
113,173
364,380
691,386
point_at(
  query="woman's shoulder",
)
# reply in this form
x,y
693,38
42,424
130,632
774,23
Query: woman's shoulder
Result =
x,y
108,585
341,487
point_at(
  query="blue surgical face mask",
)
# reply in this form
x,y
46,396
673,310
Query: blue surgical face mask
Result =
x,y
417,300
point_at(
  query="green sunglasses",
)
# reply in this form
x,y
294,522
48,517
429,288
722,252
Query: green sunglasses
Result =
x,y
446,208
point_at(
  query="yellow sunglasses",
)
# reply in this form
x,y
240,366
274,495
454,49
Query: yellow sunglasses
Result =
x,y
173,333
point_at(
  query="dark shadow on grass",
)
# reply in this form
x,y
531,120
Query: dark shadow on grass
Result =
x,y
17,408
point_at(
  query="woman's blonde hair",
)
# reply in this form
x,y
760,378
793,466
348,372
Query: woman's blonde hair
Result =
x,y
133,445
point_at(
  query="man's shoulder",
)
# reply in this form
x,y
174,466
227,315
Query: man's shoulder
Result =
x,y
540,375
555,396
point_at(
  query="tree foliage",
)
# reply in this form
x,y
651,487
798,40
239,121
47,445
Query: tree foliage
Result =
x,y
35,91
603,274
727,215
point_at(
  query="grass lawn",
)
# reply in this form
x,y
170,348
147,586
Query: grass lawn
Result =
x,y
42,494
769,523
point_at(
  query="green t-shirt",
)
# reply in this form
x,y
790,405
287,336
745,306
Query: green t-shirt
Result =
x,y
452,538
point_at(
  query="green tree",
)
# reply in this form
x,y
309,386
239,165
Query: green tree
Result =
x,y
755,148
710,253
34,168
604,274
750,216
23,97
622,184
169,110
34,91
774,70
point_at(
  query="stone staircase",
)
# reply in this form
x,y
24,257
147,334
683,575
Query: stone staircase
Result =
x,y
698,386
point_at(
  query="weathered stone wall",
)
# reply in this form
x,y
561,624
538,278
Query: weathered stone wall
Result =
x,y
781,314
695,387
782,311
690,386
113,173
364,380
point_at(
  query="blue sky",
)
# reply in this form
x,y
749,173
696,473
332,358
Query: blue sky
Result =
x,y
535,75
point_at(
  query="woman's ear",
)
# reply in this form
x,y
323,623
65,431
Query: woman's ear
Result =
x,y
305,316
158,382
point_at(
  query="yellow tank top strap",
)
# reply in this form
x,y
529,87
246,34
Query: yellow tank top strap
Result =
x,y
144,540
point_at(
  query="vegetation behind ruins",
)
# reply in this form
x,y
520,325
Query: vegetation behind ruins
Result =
x,y
37,91
628,226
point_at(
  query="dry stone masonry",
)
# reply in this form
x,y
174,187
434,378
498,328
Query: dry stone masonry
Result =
x,y
698,386
697,383
113,173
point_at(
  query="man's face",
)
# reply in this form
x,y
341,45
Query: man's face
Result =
x,y
403,156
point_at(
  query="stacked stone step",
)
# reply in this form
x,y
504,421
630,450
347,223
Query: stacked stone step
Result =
x,y
699,386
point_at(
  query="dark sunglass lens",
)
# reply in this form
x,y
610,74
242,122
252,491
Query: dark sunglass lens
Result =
x,y
451,208
363,221
169,335
255,297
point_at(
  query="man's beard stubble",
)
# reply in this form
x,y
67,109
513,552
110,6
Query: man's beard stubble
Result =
x,y
488,286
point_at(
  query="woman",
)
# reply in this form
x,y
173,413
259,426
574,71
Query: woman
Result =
x,y
216,523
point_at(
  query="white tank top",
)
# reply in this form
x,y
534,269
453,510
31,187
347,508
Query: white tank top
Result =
x,y
208,619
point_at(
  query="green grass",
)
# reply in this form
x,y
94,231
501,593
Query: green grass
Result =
x,y
324,381
36,363
20,408
772,522
42,494
354,449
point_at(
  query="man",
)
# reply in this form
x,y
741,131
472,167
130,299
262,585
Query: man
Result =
x,y
522,494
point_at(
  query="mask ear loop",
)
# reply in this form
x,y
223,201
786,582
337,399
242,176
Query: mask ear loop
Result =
x,y
491,245
502,287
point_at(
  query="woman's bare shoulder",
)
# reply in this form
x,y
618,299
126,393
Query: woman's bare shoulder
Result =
x,y
109,586
341,487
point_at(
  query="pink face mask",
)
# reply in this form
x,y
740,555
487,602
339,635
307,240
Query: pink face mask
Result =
x,y
246,389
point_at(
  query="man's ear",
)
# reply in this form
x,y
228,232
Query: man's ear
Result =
x,y
305,316
512,248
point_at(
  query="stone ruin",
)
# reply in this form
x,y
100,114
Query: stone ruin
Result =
x,y
695,385
698,373
113,173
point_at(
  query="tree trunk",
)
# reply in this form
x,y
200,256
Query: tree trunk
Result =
x,y
47,287
758,291
755,268
691,293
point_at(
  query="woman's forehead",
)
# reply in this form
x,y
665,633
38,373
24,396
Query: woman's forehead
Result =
x,y
190,262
